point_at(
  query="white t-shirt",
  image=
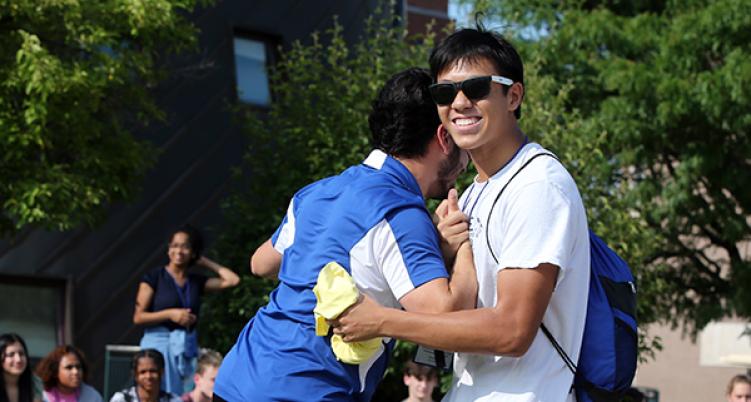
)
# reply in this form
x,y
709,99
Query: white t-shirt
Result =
x,y
539,218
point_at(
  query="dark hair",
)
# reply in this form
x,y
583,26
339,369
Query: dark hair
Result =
x,y
152,354
633,395
420,371
738,379
404,118
49,368
473,45
25,385
195,239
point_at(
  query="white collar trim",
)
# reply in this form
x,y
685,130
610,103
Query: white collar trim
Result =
x,y
376,159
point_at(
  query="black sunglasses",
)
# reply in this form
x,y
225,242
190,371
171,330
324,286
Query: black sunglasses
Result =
x,y
474,89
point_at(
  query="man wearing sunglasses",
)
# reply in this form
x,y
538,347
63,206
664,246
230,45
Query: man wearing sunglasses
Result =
x,y
530,243
372,220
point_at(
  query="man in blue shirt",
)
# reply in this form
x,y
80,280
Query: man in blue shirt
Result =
x,y
372,220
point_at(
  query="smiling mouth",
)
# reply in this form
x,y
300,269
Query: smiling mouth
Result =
x,y
466,121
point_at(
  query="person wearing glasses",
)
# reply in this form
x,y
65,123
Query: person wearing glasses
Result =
x,y
371,219
530,243
168,304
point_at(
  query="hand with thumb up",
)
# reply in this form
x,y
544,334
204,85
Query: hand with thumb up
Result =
x,y
452,225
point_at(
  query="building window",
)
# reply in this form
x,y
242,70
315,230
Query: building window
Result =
x,y
37,312
251,62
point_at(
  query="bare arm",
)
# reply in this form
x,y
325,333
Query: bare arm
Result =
x,y
266,261
181,316
506,329
460,291
227,278
443,295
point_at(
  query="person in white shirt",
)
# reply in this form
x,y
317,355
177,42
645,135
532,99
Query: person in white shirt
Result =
x,y
531,246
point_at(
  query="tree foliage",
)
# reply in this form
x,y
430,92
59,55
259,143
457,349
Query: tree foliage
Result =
x,y
74,81
650,103
316,127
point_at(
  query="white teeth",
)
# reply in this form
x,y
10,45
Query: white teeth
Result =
x,y
465,122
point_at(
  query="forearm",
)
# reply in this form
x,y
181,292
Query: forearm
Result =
x,y
228,277
474,331
148,317
463,283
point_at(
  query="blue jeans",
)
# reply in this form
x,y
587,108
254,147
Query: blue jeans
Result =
x,y
179,348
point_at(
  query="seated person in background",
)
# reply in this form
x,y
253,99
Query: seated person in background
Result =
x,y
420,381
739,389
206,368
63,372
17,384
148,369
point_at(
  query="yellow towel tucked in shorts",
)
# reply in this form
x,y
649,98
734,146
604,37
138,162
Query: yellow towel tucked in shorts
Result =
x,y
335,292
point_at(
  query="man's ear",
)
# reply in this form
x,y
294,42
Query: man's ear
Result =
x,y
444,140
515,95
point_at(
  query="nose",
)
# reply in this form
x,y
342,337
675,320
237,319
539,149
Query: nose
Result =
x,y
461,101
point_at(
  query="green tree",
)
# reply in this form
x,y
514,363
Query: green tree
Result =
x,y
649,103
74,81
316,127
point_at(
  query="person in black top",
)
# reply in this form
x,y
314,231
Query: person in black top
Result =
x,y
168,303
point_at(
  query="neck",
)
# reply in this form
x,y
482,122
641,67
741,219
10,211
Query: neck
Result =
x,y
489,159
145,395
199,396
11,380
66,390
418,171
425,173
177,271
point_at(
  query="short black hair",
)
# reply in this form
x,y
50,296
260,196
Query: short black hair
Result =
x,y
194,238
149,353
404,118
473,45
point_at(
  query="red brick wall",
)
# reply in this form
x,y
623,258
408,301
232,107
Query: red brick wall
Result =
x,y
420,12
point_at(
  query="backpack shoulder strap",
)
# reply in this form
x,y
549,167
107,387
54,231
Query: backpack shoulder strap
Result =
x,y
497,197
567,360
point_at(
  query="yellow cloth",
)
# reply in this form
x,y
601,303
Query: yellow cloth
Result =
x,y
335,291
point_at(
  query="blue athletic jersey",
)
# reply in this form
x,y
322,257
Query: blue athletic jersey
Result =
x,y
372,220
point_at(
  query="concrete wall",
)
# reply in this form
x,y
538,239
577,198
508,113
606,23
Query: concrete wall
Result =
x,y
677,371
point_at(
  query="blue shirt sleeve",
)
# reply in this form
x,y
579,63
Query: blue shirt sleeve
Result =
x,y
278,231
417,242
